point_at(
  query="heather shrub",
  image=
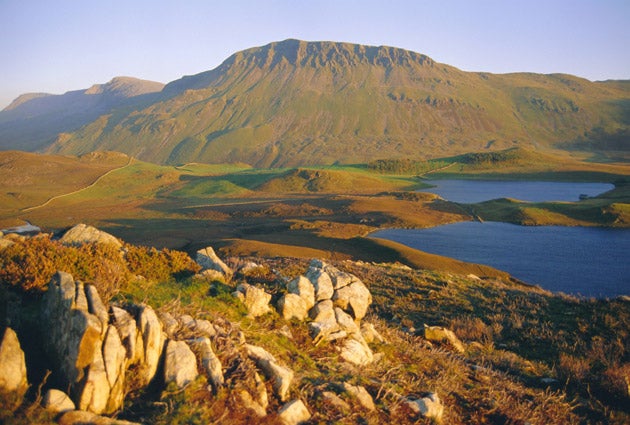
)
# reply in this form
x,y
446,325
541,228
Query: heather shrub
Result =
x,y
162,264
30,264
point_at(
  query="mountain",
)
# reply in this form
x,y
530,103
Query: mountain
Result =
x,y
33,120
298,103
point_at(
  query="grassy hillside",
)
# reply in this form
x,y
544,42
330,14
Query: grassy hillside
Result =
x,y
312,103
528,355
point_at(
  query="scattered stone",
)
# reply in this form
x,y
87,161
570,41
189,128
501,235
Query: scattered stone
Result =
x,y
57,401
280,376
548,381
440,334
293,306
209,260
335,401
82,234
261,391
294,413
255,299
210,363
356,352
205,328
303,287
13,380
429,406
180,364
370,334
361,395
248,402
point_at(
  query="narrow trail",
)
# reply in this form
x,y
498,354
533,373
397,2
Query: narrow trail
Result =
x,y
94,183
439,169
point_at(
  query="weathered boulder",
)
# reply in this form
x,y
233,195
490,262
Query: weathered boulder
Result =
x,y
303,287
354,298
293,413
153,342
82,234
210,363
429,406
180,364
255,299
440,334
209,260
280,376
293,306
356,352
57,401
324,322
361,395
13,380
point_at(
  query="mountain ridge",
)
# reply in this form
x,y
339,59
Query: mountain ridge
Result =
x,y
293,103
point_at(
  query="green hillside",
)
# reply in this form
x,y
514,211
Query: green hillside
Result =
x,y
303,103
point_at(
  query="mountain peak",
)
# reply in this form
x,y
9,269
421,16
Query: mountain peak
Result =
x,y
125,87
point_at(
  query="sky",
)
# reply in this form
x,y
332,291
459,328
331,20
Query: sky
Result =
x,y
54,46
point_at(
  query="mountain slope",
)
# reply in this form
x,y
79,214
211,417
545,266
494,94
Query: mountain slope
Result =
x,y
33,120
295,103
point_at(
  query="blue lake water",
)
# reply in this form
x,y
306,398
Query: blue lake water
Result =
x,y
574,260
471,191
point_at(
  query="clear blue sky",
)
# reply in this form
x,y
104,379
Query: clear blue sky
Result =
x,y
58,45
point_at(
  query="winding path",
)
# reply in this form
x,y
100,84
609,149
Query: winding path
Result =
x,y
94,183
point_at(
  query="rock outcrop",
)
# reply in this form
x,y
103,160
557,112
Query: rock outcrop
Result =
x,y
338,301
82,234
13,380
87,352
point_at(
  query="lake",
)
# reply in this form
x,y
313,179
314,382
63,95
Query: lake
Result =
x,y
576,260
471,191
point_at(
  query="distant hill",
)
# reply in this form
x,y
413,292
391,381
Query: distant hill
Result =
x,y
295,103
33,120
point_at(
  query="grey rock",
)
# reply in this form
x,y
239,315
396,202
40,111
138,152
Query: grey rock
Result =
x,y
280,376
361,395
293,306
180,364
57,401
356,352
13,378
303,287
255,299
153,342
354,298
210,363
429,406
209,260
321,281
440,334
82,234
293,413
